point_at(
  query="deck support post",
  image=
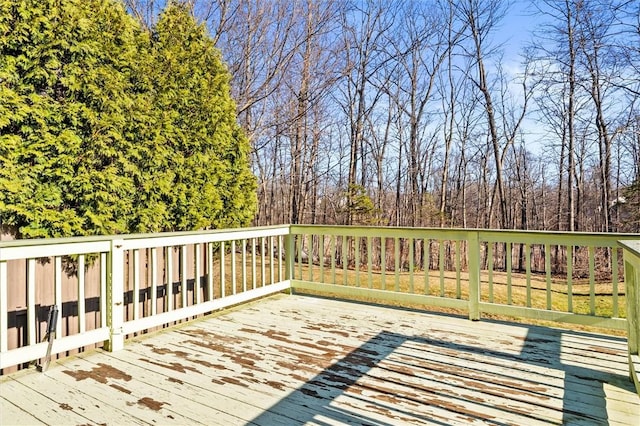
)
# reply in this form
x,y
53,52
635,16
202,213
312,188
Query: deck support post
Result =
x,y
115,297
289,257
474,276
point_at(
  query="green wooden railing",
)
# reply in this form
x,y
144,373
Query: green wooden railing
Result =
x,y
632,281
552,276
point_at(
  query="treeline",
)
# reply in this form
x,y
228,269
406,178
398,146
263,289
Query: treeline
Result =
x,y
108,126
409,113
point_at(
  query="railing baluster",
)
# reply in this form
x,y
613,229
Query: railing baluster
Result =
x,y
592,281
383,262
321,258
569,278
271,264
234,277
345,260
547,268
153,268
57,284
280,251
369,263
527,261
223,278
136,284
210,292
244,265
458,284
357,261
262,261
614,279
32,327
82,319
183,275
104,272
310,255
396,243
197,273
169,288
490,270
426,259
441,265
411,265
299,245
333,258
474,276
509,260
254,279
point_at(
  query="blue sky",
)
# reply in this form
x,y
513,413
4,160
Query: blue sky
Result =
x,y
517,28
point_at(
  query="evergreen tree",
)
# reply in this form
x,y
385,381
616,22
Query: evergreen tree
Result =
x,y
66,85
203,167
105,130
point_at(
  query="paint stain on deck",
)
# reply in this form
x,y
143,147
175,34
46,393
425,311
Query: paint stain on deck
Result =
x,y
100,374
233,381
179,354
120,388
327,328
174,366
151,403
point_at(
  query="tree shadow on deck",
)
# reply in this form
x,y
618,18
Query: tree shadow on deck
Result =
x,y
401,379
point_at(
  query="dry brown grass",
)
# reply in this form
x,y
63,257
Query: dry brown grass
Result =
x,y
516,291
448,287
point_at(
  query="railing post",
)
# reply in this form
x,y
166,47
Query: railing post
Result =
x,y
474,276
289,257
115,297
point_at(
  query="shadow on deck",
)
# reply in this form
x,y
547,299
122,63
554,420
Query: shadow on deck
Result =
x,y
443,388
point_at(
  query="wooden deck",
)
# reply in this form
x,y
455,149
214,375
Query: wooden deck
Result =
x,y
291,360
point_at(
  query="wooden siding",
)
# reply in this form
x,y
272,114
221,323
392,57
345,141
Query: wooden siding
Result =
x,y
304,360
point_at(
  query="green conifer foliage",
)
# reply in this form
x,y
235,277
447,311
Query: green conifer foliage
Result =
x,y
66,90
207,159
104,129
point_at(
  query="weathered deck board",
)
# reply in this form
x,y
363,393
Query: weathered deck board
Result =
x,y
301,360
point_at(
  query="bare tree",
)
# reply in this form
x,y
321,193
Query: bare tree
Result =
x,y
363,26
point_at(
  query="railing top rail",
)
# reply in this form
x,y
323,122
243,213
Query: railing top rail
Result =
x,y
126,237
561,237
75,245
61,249
175,239
47,247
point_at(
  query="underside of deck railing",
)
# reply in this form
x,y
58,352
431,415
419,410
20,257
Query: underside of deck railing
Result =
x,y
109,288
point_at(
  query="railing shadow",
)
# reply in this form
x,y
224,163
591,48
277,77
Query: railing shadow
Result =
x,y
402,379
